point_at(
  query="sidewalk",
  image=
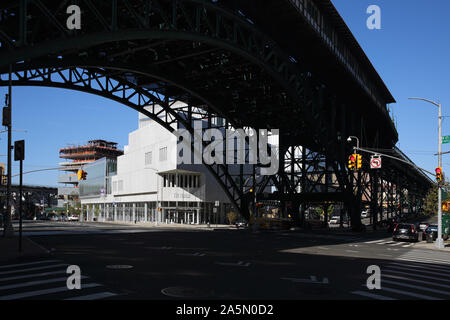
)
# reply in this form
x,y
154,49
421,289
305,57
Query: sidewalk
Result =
x,y
9,249
432,246
171,225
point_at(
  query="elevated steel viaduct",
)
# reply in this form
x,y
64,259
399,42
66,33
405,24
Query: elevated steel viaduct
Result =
x,y
291,65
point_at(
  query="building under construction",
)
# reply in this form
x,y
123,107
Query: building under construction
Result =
x,y
78,156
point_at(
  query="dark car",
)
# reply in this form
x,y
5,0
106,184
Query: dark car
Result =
x,y
405,231
433,229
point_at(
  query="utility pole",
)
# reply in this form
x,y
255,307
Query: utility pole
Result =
x,y
439,241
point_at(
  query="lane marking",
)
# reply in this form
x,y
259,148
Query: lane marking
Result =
x,y
34,275
44,292
28,264
396,244
94,296
33,283
375,241
416,280
427,267
424,260
417,275
33,269
415,270
372,295
402,284
406,293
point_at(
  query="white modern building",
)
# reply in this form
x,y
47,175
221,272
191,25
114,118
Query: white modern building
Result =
x,y
145,184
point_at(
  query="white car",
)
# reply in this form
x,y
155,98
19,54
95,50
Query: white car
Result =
x,y
335,220
365,214
73,218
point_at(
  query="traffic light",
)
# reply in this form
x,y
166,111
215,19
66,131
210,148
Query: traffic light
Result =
x,y
81,174
358,161
439,174
445,206
352,162
19,150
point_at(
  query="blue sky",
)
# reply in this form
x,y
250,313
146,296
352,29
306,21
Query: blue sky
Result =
x,y
411,52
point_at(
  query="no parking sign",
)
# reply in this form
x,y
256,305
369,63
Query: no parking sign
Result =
x,y
375,162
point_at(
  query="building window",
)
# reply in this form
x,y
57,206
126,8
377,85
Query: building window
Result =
x,y
148,158
163,154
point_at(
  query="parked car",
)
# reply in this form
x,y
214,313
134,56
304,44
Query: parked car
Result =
x,y
335,220
241,224
73,218
365,214
405,231
433,229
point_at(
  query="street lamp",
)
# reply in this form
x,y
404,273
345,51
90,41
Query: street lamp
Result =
x,y
439,241
357,140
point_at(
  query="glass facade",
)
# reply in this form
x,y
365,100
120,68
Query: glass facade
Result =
x,y
98,177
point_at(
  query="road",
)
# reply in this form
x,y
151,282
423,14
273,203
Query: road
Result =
x,y
127,262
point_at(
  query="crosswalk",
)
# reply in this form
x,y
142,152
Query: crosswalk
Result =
x,y
406,280
45,280
391,243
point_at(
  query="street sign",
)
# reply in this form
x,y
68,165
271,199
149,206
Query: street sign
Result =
x,y
375,162
445,139
216,204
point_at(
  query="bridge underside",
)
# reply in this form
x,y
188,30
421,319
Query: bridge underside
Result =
x,y
229,73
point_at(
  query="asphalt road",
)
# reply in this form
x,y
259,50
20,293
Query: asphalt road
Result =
x,y
126,262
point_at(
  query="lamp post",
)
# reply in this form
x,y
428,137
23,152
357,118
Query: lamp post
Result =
x,y
439,241
356,138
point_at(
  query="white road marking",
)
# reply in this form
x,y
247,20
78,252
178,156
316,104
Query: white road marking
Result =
x,y
351,251
424,260
94,296
372,295
434,283
34,269
447,293
415,270
34,275
33,283
416,275
28,264
375,241
44,292
396,244
408,245
421,267
406,293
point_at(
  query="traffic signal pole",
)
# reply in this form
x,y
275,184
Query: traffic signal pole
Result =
x,y
439,240
8,228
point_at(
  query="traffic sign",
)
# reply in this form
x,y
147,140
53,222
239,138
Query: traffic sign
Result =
x,y
375,162
445,139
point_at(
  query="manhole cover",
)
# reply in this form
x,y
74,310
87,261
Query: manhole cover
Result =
x,y
119,266
182,292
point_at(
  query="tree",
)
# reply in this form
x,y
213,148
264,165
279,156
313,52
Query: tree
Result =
x,y
430,207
